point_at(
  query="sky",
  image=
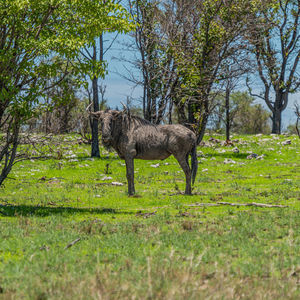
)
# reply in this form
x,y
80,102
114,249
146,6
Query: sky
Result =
x,y
118,88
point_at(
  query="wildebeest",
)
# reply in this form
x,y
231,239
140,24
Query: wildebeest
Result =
x,y
133,137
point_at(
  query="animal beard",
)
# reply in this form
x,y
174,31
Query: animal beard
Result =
x,y
107,146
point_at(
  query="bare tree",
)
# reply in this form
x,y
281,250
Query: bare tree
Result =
x,y
95,55
233,72
274,36
155,63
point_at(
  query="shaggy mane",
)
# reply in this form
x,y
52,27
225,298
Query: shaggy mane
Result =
x,y
138,121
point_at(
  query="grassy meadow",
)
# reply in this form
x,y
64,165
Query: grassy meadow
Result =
x,y
68,229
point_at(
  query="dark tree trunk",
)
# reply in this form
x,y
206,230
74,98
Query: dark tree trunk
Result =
x,y
191,110
227,114
277,108
9,153
276,121
196,125
95,152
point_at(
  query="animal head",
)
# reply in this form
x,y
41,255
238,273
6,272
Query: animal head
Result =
x,y
106,119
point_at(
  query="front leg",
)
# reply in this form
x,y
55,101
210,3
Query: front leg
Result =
x,y
130,174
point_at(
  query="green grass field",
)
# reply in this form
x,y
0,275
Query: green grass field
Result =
x,y
68,230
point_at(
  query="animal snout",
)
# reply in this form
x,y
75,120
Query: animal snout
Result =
x,y
105,137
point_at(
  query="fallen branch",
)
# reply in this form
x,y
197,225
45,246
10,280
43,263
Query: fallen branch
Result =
x,y
202,204
72,243
238,204
252,204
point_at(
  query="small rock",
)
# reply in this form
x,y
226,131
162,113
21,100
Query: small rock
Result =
x,y
221,150
106,178
252,155
214,140
117,183
287,142
200,154
229,161
155,166
236,150
261,157
204,170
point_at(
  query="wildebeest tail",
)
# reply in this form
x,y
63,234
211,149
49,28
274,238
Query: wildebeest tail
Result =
x,y
194,163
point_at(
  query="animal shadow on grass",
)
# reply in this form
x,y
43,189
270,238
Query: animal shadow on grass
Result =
x,y
44,211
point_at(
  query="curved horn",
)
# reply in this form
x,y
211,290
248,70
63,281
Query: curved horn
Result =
x,y
124,105
97,114
88,108
126,108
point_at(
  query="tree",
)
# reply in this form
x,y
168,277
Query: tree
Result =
x,y
155,63
243,115
94,55
182,46
233,71
249,118
30,32
61,99
207,34
275,43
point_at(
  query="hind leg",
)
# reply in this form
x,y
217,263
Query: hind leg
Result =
x,y
130,175
184,164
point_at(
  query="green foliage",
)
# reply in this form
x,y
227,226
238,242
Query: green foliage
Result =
x,y
32,33
201,50
245,116
291,129
38,29
249,118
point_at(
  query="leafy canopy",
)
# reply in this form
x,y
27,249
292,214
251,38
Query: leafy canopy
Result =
x,y
32,31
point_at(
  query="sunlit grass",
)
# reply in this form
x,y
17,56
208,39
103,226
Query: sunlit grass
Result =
x,y
158,244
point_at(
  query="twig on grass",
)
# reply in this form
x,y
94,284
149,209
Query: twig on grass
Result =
x,y
238,204
72,243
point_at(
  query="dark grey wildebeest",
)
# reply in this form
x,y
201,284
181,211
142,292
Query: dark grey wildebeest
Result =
x,y
133,137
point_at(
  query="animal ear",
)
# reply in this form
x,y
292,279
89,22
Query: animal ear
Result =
x,y
97,114
115,114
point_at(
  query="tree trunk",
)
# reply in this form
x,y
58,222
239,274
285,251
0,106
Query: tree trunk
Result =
x,y
276,121
279,105
95,136
227,114
10,153
200,124
95,152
